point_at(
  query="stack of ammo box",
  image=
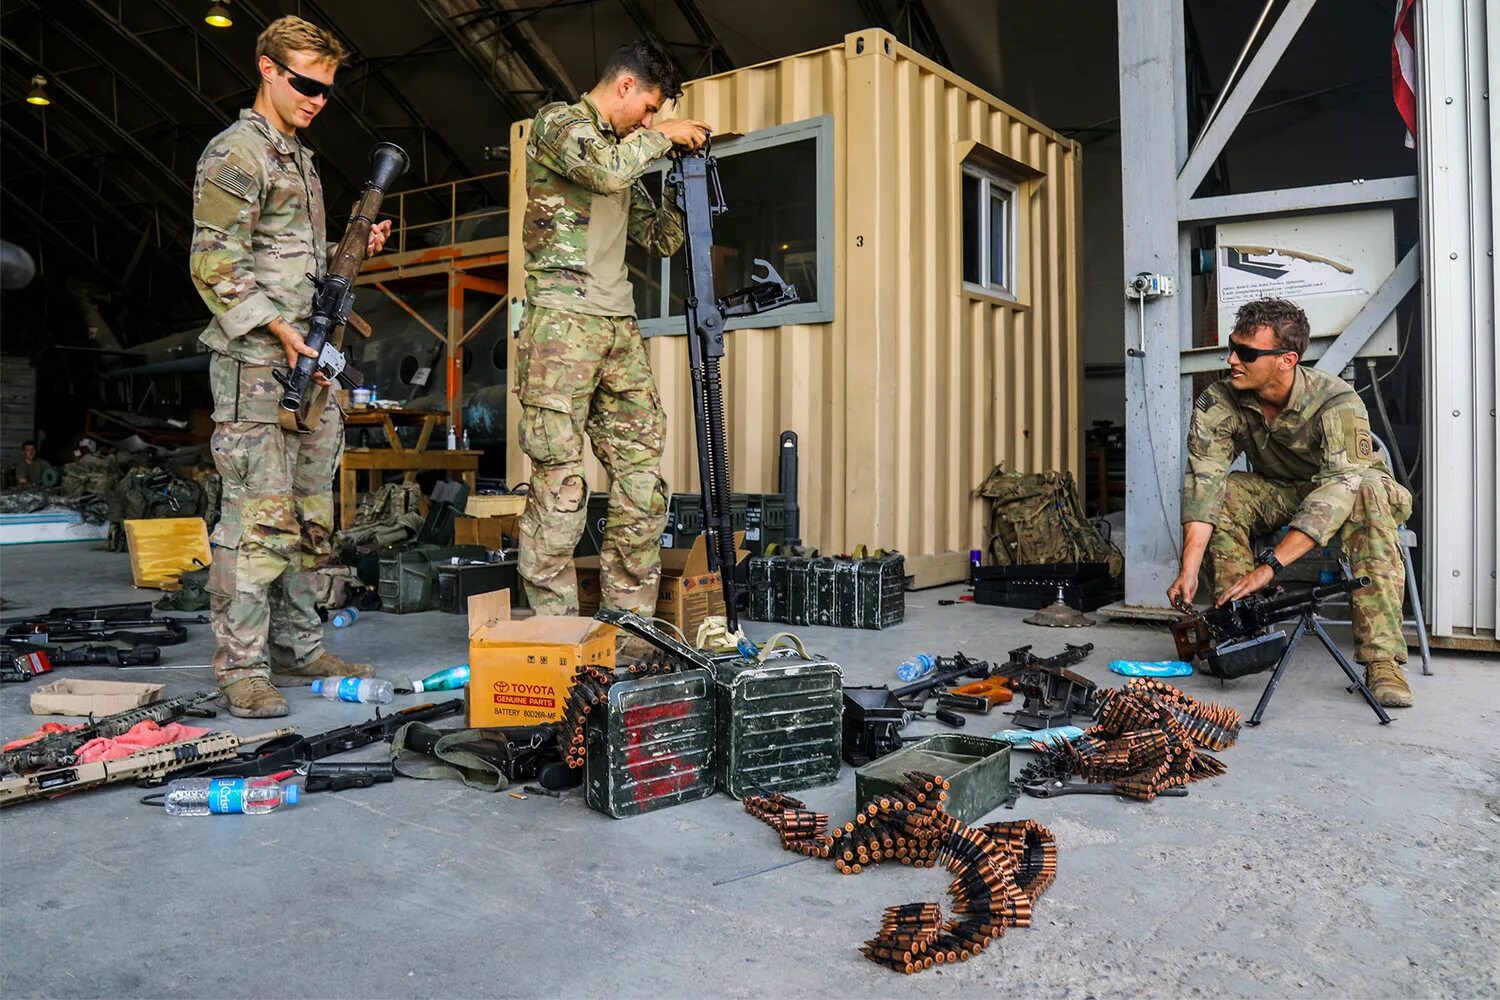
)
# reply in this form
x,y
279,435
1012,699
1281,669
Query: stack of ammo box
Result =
x,y
842,592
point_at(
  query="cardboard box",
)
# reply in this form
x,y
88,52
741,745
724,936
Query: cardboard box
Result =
x,y
688,592
520,670
486,531
72,696
501,505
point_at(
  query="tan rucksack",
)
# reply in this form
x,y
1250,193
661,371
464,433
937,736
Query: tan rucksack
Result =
x,y
1037,518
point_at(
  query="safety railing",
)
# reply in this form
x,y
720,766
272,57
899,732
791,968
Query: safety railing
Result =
x,y
422,223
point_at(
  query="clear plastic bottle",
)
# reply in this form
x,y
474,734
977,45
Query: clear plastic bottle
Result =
x,y
211,796
917,667
344,617
369,690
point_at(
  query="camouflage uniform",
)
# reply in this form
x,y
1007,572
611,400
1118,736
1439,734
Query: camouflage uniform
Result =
x,y
581,365
258,231
1315,470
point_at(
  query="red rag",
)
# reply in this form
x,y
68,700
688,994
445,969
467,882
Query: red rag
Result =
x,y
139,737
48,728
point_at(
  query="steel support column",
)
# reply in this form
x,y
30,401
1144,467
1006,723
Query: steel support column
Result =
x,y
1153,146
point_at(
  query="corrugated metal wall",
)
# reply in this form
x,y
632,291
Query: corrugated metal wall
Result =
x,y
917,388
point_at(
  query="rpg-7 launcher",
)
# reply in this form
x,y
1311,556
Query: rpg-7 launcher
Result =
x,y
61,749
334,301
696,179
1234,639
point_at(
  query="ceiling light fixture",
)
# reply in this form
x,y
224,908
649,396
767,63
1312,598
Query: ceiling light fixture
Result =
x,y
218,15
38,93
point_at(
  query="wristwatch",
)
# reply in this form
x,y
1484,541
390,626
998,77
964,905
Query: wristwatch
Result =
x,y
1267,557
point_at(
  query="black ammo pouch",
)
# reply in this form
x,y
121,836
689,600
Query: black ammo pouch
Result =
x,y
1230,660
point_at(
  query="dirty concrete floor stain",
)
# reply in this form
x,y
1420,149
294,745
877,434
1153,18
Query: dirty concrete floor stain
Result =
x,y
1337,858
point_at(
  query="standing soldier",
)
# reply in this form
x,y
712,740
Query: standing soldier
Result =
x,y
1307,438
258,233
581,364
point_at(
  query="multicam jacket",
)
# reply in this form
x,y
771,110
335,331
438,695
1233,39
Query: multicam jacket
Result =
x,y
1322,438
584,197
258,232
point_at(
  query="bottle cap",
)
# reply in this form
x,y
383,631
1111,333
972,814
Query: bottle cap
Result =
x,y
317,686
292,793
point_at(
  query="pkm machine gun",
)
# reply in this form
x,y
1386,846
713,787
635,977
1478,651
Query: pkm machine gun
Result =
x,y
1054,694
695,177
334,301
1234,640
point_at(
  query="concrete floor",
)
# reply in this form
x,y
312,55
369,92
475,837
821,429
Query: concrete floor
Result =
x,y
1336,858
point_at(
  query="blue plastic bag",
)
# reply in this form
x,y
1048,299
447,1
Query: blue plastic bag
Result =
x,y
1153,668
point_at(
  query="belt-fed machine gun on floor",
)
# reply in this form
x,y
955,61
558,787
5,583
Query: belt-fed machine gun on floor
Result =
x,y
695,177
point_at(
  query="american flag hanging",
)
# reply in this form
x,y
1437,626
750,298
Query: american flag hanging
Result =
x,y
1404,67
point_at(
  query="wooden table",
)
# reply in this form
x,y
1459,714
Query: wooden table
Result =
x,y
396,457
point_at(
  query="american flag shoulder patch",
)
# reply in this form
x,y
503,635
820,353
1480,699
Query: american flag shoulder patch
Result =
x,y
1205,401
233,178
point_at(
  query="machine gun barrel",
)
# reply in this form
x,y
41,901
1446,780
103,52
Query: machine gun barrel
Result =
x,y
1273,607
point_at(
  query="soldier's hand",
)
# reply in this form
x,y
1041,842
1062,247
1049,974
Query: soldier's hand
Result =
x,y
1182,592
379,233
296,347
687,132
1258,578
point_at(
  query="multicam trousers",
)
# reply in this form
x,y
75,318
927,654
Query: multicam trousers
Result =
x,y
276,526
577,373
1254,505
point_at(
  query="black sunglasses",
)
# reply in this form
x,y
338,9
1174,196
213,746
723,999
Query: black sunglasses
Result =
x,y
304,85
1250,355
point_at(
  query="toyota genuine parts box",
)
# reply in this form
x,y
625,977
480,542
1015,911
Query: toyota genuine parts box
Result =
x,y
520,671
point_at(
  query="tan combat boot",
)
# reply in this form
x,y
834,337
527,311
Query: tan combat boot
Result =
x,y
253,698
1387,682
326,665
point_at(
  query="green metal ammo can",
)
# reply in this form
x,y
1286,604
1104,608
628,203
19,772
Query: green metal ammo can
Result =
x,y
650,745
781,724
977,769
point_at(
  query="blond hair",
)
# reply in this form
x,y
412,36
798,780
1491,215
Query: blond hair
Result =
x,y
289,34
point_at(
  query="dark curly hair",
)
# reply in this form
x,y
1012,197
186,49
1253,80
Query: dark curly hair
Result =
x,y
649,63
1286,319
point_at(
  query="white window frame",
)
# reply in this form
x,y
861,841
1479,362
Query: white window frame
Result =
x,y
820,310
989,181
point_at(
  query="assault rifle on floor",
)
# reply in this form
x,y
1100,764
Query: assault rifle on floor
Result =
x,y
695,177
61,749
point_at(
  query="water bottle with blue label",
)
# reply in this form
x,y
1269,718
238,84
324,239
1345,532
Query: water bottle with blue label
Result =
x,y
367,690
343,617
917,667
215,796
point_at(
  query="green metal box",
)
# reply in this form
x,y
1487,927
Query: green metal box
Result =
x,y
406,577
977,769
651,744
780,724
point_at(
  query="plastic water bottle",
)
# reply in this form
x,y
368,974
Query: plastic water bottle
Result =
x,y
344,617
917,667
447,679
210,796
368,690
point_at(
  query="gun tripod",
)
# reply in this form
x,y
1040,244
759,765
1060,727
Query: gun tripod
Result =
x,y
1309,622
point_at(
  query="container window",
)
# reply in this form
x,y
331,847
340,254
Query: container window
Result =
x,y
778,186
989,232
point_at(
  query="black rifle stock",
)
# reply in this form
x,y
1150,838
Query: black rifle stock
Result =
x,y
334,299
696,179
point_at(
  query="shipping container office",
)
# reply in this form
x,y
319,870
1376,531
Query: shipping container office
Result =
x,y
932,233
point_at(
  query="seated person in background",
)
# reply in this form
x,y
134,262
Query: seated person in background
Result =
x,y
1307,436
30,470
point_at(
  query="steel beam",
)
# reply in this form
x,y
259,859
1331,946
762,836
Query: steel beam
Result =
x,y
1211,143
1402,279
715,57
48,231
524,42
482,69
107,120
1153,145
637,13
1284,200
